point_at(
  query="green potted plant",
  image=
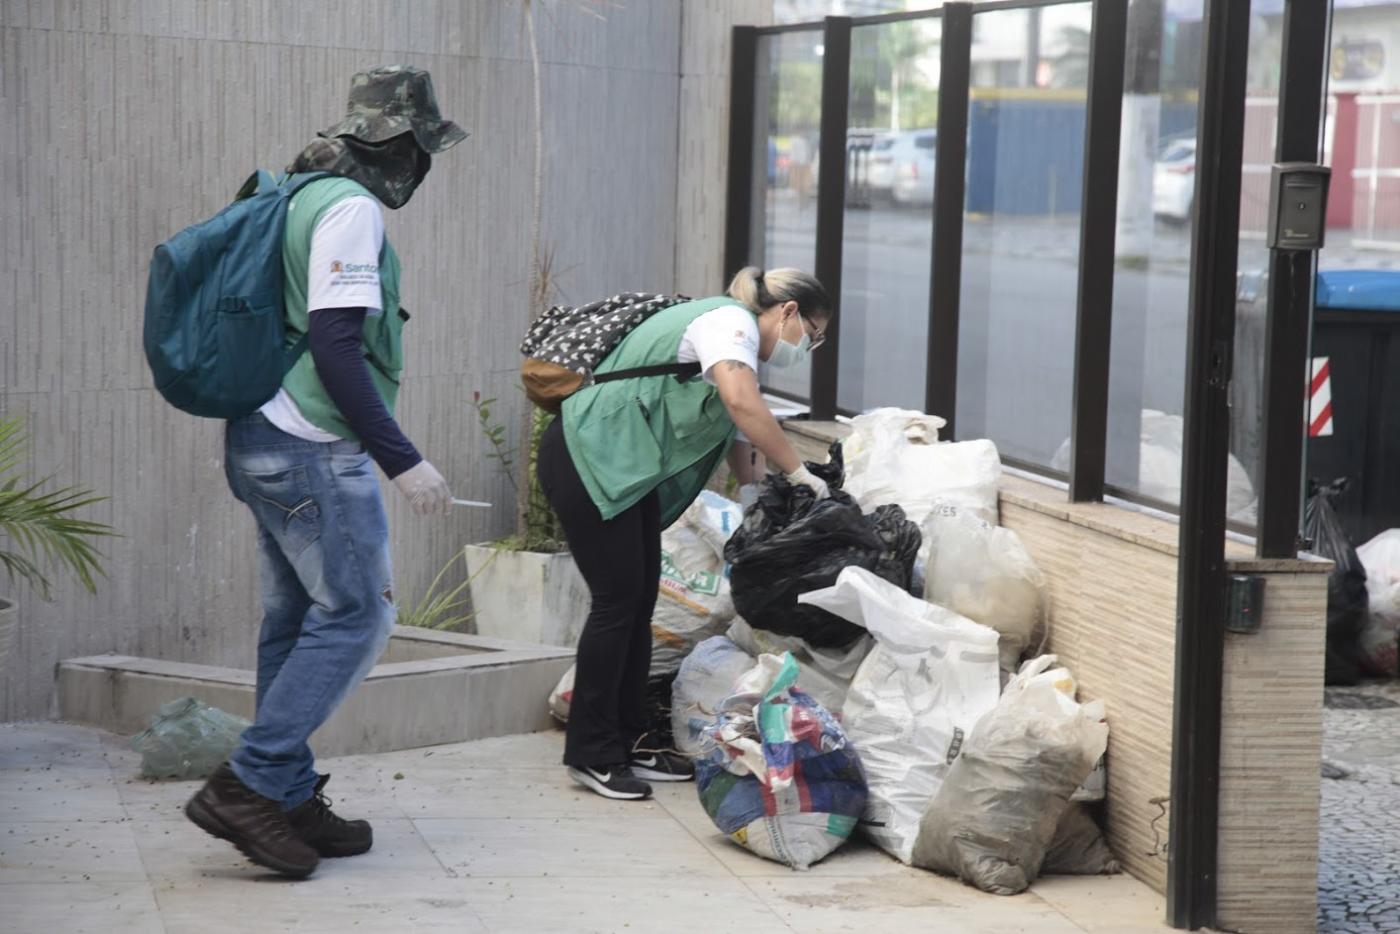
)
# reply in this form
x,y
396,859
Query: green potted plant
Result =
x,y
525,587
38,531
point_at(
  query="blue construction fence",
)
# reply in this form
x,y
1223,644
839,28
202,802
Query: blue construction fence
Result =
x,y
1025,152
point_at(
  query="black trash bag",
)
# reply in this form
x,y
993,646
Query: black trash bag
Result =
x,y
659,736
1346,585
790,544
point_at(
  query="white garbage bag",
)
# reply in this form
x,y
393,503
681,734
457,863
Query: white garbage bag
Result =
x,y
1159,466
995,816
693,600
931,675
894,456
561,699
706,678
826,674
983,572
1377,643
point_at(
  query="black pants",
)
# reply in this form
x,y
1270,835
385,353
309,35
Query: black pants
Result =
x,y
621,561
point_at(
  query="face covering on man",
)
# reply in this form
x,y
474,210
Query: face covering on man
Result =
x,y
787,354
391,170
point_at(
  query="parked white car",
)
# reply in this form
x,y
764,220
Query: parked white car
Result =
x,y
912,160
1174,181
881,176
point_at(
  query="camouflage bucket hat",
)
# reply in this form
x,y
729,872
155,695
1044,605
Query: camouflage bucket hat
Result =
x,y
392,100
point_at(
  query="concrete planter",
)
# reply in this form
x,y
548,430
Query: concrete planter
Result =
x,y
428,688
9,621
526,596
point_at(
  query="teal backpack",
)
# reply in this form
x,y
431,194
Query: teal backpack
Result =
x,y
215,328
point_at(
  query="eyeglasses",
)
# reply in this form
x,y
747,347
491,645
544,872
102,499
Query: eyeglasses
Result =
x,y
817,337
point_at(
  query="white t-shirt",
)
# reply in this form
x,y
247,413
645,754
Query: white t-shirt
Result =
x,y
343,272
729,332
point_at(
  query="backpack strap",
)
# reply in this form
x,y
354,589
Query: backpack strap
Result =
x,y
682,371
293,184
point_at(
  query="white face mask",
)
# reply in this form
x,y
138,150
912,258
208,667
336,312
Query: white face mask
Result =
x,y
787,354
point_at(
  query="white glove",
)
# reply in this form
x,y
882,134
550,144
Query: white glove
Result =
x,y
424,489
806,478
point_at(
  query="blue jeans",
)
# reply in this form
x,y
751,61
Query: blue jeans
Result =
x,y
327,600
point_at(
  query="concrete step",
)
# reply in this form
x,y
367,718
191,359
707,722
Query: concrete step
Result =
x,y
429,688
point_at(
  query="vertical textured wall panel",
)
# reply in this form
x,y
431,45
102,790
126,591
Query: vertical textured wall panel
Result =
x,y
128,119
1111,577
703,146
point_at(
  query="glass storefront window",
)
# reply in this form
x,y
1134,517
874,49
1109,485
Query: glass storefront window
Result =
x,y
888,231
788,115
1025,167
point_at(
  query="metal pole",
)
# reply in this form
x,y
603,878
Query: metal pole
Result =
x,y
1201,579
1098,221
738,218
1300,107
949,198
831,204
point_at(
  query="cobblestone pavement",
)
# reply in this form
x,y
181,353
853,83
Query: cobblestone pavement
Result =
x,y
1359,869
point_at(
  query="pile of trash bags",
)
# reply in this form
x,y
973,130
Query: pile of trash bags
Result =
x,y
1363,591
895,632
878,670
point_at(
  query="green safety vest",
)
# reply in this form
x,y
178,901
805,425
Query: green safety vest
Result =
x,y
633,436
383,332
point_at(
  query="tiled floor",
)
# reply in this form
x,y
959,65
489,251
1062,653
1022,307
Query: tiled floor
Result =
x,y
485,836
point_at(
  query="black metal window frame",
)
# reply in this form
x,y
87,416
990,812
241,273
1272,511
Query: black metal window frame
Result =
x,y
947,215
1299,121
1191,887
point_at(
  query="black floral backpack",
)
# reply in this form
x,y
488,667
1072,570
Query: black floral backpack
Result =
x,y
565,345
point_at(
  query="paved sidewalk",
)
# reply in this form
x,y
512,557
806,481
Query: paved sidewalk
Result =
x,y
1359,872
485,836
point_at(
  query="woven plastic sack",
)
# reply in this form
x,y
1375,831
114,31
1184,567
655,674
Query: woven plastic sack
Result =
x,y
778,775
706,678
187,739
983,572
931,675
996,815
693,600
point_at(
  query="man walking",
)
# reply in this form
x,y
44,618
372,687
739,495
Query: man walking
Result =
x,y
302,465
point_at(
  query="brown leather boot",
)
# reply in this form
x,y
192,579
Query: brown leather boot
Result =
x,y
230,810
327,832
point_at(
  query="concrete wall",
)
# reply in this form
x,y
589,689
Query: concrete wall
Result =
x,y
128,119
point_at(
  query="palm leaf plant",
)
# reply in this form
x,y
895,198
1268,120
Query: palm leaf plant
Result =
x,y
39,531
